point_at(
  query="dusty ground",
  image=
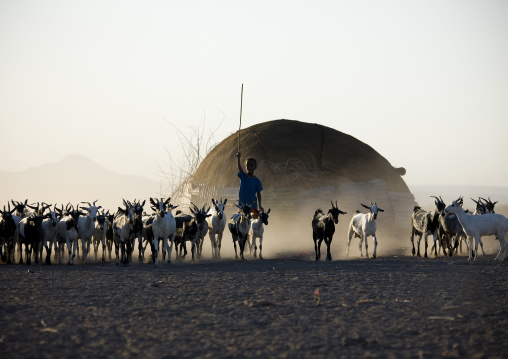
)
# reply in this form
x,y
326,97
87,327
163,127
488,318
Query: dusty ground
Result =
x,y
390,307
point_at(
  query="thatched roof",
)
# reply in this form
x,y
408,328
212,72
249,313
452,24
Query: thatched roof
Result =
x,y
298,155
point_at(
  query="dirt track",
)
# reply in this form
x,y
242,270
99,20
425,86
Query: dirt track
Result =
x,y
391,307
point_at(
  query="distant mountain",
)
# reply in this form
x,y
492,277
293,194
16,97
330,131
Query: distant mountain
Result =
x,y
75,179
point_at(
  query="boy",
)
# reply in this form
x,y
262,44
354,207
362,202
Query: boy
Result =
x,y
250,185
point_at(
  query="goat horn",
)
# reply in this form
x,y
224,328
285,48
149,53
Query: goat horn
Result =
x,y
331,203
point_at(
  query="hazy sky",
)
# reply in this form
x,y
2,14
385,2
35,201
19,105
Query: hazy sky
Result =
x,y
425,83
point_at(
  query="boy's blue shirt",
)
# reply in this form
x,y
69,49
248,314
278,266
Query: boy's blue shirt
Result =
x,y
249,186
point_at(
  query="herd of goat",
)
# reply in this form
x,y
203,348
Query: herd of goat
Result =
x,y
36,227
39,227
448,225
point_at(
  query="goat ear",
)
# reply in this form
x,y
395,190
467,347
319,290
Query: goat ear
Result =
x,y
213,202
269,209
365,206
381,210
227,200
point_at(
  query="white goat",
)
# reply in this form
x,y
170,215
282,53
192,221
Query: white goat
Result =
x,y
478,226
67,233
363,225
49,234
256,231
122,229
86,227
216,225
163,227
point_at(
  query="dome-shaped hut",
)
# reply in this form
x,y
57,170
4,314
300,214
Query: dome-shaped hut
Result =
x,y
303,167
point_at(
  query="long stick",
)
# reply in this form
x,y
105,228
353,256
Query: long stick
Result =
x,y
239,127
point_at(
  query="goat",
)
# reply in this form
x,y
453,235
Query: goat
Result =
x,y
200,216
147,234
99,234
163,228
49,233
86,227
186,230
478,226
239,226
481,208
21,208
8,228
489,205
323,228
109,233
363,225
137,229
256,231
216,225
67,232
19,237
424,223
122,229
32,234
450,232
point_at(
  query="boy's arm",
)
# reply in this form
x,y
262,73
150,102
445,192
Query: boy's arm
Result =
x,y
238,155
259,200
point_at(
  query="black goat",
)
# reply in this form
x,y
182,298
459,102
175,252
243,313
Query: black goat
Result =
x,y
137,229
239,226
186,230
489,205
20,208
7,231
323,228
33,234
109,233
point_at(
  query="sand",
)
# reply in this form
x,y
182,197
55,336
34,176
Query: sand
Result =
x,y
286,306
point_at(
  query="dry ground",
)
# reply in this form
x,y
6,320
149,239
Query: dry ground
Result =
x,y
390,307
